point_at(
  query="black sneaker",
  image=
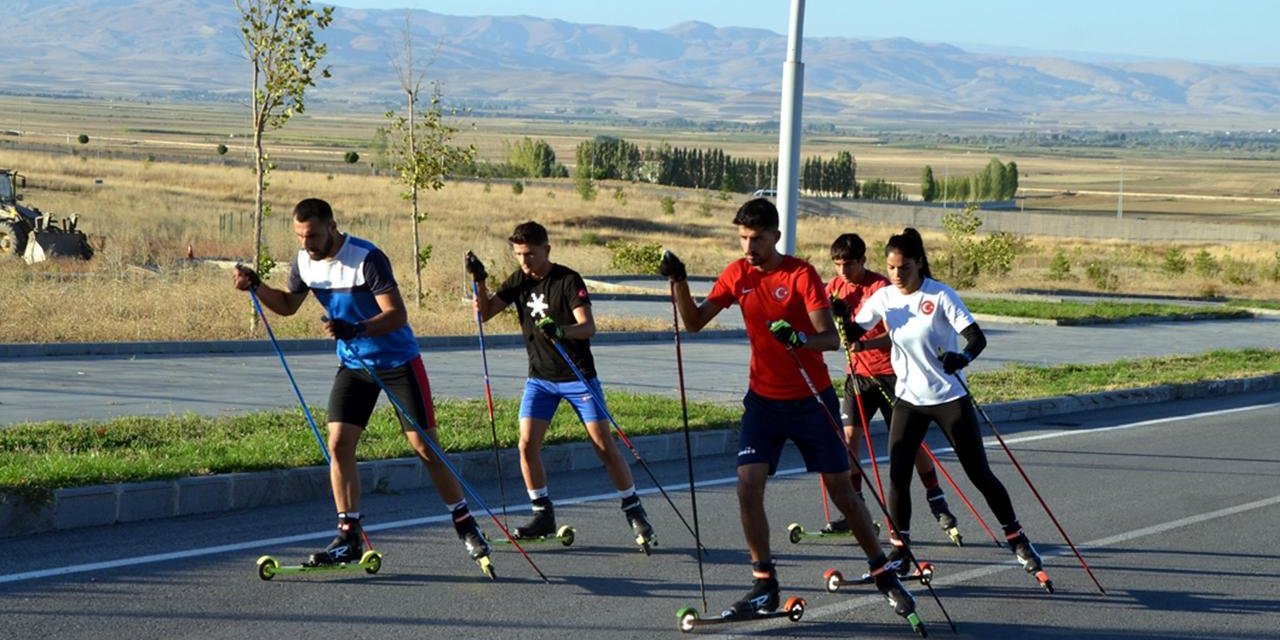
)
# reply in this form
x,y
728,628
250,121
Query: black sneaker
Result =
x,y
836,526
763,596
543,522
345,547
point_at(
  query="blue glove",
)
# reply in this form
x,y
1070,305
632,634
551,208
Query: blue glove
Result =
x,y
787,334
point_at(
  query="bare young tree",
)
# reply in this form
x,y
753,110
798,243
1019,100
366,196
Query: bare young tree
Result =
x,y
422,149
279,38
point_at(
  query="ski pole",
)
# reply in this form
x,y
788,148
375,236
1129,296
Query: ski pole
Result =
x,y
1027,478
866,435
599,400
488,396
436,449
688,446
315,430
831,420
938,465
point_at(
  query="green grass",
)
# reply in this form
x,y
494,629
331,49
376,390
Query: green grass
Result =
x,y
38,457
1096,311
1254,304
50,455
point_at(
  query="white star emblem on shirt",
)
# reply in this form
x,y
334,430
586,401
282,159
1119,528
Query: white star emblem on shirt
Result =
x,y
537,305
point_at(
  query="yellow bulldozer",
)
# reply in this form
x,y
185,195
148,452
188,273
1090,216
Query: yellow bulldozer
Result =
x,y
36,236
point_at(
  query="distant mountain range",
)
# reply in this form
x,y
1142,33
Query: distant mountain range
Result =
x,y
189,49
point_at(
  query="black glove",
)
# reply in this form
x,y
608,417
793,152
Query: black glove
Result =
x,y
787,334
953,362
856,346
839,308
344,330
475,267
672,268
252,276
550,329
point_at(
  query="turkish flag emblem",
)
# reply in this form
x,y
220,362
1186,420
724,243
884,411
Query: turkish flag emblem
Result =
x,y
582,294
927,307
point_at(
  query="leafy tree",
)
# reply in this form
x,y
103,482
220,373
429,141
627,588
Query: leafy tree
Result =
x,y
928,188
1010,183
534,158
279,38
421,148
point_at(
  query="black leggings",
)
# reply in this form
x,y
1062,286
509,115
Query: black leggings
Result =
x,y
960,424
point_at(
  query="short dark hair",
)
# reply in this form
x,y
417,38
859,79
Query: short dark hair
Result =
x,y
758,214
849,246
530,233
313,209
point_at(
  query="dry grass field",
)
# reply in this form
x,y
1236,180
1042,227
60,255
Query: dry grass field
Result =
x,y
144,213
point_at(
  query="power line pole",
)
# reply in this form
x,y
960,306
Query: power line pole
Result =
x,y
789,130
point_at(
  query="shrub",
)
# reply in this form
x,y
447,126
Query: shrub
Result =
x,y
668,206
591,237
995,254
82,139
1101,277
517,187
619,196
1175,262
222,149
1205,265
351,157
585,187
635,257
1238,272
704,207
1060,266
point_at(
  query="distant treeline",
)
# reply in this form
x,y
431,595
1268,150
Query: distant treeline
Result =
x,y
996,181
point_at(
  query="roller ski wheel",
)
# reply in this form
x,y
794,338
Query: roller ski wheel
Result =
x,y
269,567
565,535
793,610
947,522
638,520
1043,579
917,625
1026,554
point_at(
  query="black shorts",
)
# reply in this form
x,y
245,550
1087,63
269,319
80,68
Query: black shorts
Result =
x,y
874,398
355,394
768,424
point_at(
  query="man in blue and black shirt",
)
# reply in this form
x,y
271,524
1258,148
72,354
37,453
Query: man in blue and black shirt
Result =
x,y
352,280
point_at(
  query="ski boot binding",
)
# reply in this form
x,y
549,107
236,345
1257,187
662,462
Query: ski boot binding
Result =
x,y
946,519
345,547
1030,560
639,522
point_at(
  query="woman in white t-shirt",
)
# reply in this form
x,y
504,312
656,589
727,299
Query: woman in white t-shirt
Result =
x,y
924,318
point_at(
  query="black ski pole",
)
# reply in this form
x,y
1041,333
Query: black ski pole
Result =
x,y
436,449
599,400
688,446
1027,478
488,396
831,420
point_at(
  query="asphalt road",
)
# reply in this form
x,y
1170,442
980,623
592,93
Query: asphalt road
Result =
x,y
97,387
1174,507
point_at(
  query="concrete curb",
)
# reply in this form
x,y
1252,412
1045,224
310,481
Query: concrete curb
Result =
x,y
318,345
110,504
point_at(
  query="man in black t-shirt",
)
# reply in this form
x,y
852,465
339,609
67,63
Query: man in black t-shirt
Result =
x,y
552,303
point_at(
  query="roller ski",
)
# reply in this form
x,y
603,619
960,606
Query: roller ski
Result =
x,y
836,529
565,535
761,602
946,519
344,552
639,522
834,579
1030,560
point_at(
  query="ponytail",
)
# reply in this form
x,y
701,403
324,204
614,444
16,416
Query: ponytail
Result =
x,y
910,245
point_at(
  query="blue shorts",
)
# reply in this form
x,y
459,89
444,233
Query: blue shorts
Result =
x,y
542,397
767,424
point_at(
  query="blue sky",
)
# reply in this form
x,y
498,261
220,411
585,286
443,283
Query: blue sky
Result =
x,y
1221,31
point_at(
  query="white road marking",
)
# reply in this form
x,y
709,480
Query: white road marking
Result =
x,y
414,522
846,606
